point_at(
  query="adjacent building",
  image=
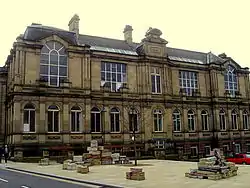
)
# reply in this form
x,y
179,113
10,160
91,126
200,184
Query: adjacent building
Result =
x,y
65,89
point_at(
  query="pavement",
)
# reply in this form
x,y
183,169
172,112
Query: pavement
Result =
x,y
12,179
160,173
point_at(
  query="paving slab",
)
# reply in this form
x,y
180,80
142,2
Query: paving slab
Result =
x,y
160,173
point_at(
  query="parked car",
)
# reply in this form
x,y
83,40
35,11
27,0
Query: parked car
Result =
x,y
240,159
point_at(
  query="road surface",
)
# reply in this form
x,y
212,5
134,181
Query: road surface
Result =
x,y
13,179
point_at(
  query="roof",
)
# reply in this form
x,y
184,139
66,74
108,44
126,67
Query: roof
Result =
x,y
36,32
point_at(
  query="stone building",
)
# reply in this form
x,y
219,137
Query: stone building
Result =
x,y
66,88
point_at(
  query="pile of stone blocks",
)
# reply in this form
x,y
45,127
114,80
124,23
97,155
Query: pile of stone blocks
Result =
x,y
46,162
69,165
94,157
82,169
106,157
208,170
135,174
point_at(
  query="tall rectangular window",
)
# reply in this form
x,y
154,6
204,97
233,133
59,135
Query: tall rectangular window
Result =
x,y
133,122
113,75
188,81
156,81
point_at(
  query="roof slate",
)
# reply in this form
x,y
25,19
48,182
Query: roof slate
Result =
x,y
36,32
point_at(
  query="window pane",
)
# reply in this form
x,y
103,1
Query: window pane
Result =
x,y
54,59
93,122
113,77
50,121
98,122
63,60
153,83
44,69
53,81
63,71
119,68
58,46
44,58
112,122
158,82
45,78
119,78
73,123
103,76
108,77
78,121
107,66
26,117
32,121
53,70
117,122
56,121
124,68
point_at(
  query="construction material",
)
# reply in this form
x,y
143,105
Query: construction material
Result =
x,y
135,174
213,168
44,162
69,165
82,169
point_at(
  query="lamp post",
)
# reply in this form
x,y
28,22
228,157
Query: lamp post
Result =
x,y
133,137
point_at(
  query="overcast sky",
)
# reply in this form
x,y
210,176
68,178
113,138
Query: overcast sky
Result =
x,y
201,25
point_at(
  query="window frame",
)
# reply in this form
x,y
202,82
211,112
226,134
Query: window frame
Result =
x,y
229,80
94,112
159,117
188,80
28,108
190,114
160,144
134,112
53,120
245,120
113,114
175,120
154,76
206,154
234,122
204,119
222,114
196,151
108,70
49,63
75,111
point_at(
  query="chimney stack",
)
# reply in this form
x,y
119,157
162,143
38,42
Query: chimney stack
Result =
x,y
74,25
128,34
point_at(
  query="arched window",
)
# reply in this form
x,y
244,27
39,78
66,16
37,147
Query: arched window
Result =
x,y
245,120
222,117
234,120
191,121
133,120
176,121
231,80
158,121
204,120
76,119
53,63
53,119
115,120
95,120
29,118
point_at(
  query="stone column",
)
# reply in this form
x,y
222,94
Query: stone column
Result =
x,y
184,122
198,121
65,118
42,119
16,118
87,118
